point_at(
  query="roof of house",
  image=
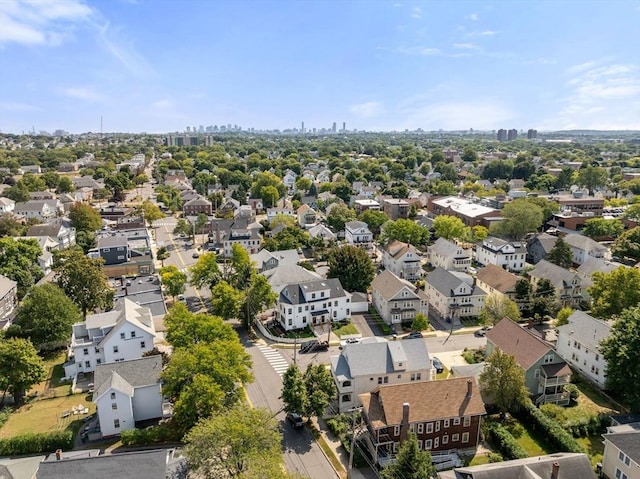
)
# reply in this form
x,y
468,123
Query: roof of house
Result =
x,y
592,264
428,400
497,245
388,285
517,341
376,358
583,242
125,376
397,248
446,281
444,247
6,201
464,207
125,310
288,256
498,278
289,273
321,230
546,240
20,467
142,464
115,241
50,228
558,276
199,201
295,292
354,225
585,329
572,466
627,442
6,285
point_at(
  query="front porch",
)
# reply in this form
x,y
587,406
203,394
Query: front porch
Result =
x,y
552,382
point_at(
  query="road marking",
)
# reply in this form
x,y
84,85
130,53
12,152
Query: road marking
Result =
x,y
278,363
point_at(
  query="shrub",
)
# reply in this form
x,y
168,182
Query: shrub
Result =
x,y
558,437
473,356
342,426
36,443
162,433
4,415
505,442
573,391
495,457
555,412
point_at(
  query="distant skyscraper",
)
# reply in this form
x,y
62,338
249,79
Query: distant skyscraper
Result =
x,y
333,128
512,134
532,134
344,126
502,134
302,127
188,129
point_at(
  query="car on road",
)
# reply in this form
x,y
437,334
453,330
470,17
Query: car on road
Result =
x,y
314,346
414,335
349,341
195,255
295,420
437,364
482,332
181,298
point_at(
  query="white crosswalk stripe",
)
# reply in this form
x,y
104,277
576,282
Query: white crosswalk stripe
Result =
x,y
275,359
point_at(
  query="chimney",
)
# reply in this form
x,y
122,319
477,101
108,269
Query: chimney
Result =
x,y
404,425
469,388
555,470
58,454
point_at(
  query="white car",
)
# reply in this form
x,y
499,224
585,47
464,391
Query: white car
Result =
x,y
349,341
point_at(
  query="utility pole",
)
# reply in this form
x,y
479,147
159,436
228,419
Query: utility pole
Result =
x,y
353,441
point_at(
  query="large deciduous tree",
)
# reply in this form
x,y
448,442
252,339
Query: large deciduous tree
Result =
x,y
294,391
622,352
374,219
185,329
561,254
83,280
448,227
613,292
352,266
205,272
592,177
259,297
498,306
321,389
628,244
20,367
406,231
411,462
151,211
519,218
242,442
502,380
603,228
226,301
84,218
173,279
19,262
339,215
46,316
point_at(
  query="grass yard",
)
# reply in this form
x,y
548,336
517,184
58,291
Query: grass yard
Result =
x,y
533,444
346,329
51,386
45,415
594,447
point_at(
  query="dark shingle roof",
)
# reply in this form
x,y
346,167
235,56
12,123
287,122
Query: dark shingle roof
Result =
x,y
627,442
135,373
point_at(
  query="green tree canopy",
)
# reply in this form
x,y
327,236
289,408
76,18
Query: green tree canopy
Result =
x,y
406,231
259,297
339,215
502,380
20,367
420,322
19,262
592,178
226,301
185,329
84,218
205,272
519,218
448,227
151,211
162,254
83,280
561,254
173,279
374,219
321,389
411,462
266,179
352,266
603,228
294,391
46,316
498,306
622,352
613,292
628,244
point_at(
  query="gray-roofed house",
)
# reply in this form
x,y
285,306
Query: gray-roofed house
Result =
x,y
579,345
20,467
448,255
621,457
561,465
155,464
40,210
287,274
583,247
397,300
127,392
590,266
508,255
266,260
443,414
7,205
124,333
312,303
357,233
60,229
538,247
402,259
453,295
545,372
321,231
8,299
227,232
568,285
361,367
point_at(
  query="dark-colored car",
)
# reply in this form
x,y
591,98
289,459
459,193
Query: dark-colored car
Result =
x,y
314,346
414,335
437,364
295,420
482,332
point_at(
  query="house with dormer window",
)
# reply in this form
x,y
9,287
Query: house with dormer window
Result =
x,y
357,233
567,284
505,254
448,255
402,259
396,299
453,294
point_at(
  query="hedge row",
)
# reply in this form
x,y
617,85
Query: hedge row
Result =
x,y
559,438
341,426
588,425
505,442
36,443
162,433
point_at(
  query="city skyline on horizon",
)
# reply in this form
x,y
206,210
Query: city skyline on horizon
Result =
x,y
129,66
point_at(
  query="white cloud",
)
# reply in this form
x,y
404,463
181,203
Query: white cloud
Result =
x,y
370,109
81,93
473,17
466,46
121,49
416,12
44,22
489,33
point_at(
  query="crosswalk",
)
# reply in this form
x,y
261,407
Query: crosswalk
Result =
x,y
165,223
275,359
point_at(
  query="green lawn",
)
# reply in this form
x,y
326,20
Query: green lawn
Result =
x,y
346,329
594,447
51,386
535,446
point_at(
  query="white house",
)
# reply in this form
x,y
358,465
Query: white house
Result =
x,y
583,248
453,295
273,212
397,300
402,259
127,392
507,255
6,205
122,334
362,367
311,303
306,216
621,457
579,342
38,209
448,255
321,231
357,233
289,180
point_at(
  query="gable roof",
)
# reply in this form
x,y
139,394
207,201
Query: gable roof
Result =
x,y
498,278
354,225
627,442
293,293
545,240
388,285
592,264
498,245
558,276
6,285
446,281
586,329
446,248
396,249
583,242
125,376
428,400
517,341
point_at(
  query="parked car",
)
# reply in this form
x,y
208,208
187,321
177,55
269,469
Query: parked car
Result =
x,y
414,335
349,341
195,255
314,346
482,332
437,364
295,420
181,298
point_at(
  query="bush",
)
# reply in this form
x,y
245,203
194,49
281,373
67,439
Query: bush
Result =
x,y
162,433
573,391
559,438
36,443
342,426
505,442
4,415
495,457
473,356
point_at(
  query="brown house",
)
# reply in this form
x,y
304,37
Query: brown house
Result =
x,y
396,208
198,205
444,415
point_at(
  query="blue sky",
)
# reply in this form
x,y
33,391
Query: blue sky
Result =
x,y
158,66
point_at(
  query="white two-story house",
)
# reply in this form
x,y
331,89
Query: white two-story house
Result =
x,y
311,303
357,233
122,334
579,345
448,255
508,255
402,259
453,295
397,300
583,248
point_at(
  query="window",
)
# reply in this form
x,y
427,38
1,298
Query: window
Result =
x,y
396,430
445,439
98,361
429,427
536,373
87,364
116,423
313,295
143,344
115,349
299,309
420,428
467,421
465,437
446,423
455,437
420,444
114,406
133,334
121,335
113,395
456,421
436,442
437,426
386,379
85,351
427,444
335,304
